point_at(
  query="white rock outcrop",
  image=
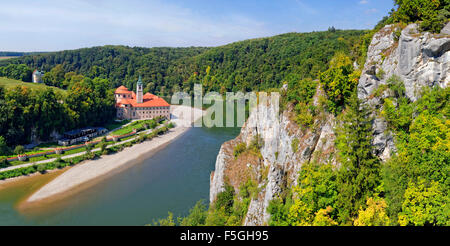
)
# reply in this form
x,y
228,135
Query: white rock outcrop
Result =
x,y
418,59
277,132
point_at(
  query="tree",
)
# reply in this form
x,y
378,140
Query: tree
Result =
x,y
241,66
339,81
421,141
317,186
374,215
89,147
312,200
55,77
19,150
48,113
16,71
359,174
300,214
425,204
197,215
225,199
278,212
4,149
323,218
166,221
433,14
103,146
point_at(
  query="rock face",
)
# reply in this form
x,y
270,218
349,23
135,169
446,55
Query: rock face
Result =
x,y
279,164
418,59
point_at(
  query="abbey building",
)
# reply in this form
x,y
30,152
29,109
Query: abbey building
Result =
x,y
131,105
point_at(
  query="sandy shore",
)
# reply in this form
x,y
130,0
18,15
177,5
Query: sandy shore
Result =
x,y
84,175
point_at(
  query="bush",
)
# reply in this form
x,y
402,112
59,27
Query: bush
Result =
x,y
294,144
304,117
256,144
103,146
225,199
432,14
339,82
19,150
300,90
239,149
41,168
197,215
89,147
4,162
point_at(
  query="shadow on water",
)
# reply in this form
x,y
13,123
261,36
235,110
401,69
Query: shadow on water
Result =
x,y
173,179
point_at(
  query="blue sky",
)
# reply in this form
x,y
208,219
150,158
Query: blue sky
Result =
x,y
50,25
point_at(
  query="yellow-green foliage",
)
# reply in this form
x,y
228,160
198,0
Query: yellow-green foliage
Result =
x,y
256,144
229,209
379,91
294,144
304,116
169,221
423,148
432,13
311,202
323,218
425,204
374,215
339,81
239,149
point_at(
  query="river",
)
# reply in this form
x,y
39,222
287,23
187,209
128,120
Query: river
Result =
x,y
173,179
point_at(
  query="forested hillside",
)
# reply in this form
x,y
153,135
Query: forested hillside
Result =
x,y
362,146
252,64
36,112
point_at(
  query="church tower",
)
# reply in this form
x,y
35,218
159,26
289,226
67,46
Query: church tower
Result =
x,y
139,91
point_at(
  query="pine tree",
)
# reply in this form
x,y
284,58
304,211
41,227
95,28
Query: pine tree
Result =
x,y
358,175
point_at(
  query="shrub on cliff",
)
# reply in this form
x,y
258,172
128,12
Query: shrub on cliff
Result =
x,y
339,82
197,215
433,14
239,149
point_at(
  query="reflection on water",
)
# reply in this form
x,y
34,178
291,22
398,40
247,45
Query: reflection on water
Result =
x,y
172,179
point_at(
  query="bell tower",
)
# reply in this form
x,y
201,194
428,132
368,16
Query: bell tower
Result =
x,y
139,91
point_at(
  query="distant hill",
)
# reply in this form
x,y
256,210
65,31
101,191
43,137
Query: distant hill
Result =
x,y
246,65
9,83
15,54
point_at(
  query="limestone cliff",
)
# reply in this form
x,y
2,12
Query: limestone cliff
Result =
x,y
279,161
419,59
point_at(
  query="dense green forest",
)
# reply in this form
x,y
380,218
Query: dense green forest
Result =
x,y
39,112
411,188
247,65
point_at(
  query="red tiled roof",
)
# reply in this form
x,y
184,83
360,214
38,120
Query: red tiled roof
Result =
x,y
122,89
149,100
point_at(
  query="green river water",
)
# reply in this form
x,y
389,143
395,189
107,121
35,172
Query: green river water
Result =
x,y
173,179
